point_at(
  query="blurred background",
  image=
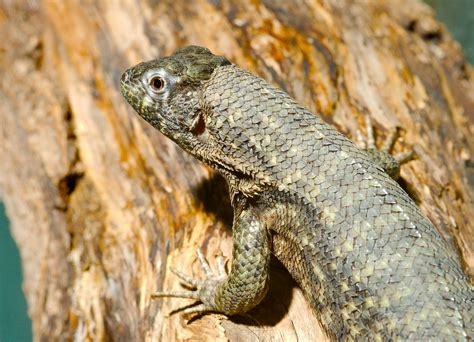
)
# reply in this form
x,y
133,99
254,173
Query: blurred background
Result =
x,y
457,15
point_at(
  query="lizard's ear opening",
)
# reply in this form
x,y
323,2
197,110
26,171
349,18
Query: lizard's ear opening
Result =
x,y
199,126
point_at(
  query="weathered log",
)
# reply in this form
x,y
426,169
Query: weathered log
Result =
x,y
101,204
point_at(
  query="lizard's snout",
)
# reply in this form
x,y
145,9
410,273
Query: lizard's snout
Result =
x,y
126,82
125,77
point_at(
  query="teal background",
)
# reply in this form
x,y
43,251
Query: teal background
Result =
x,y
15,326
458,15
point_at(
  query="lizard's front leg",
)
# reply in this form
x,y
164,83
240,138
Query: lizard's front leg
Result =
x,y
247,282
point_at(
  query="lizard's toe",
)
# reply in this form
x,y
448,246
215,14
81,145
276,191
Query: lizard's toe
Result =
x,y
176,294
186,279
382,156
201,290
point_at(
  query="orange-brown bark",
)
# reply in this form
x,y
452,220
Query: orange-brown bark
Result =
x,y
101,204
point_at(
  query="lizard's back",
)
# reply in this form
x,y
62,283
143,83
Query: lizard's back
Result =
x,y
368,260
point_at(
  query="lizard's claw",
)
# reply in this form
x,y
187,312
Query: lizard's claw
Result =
x,y
203,291
390,163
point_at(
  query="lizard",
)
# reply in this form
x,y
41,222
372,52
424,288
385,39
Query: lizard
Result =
x,y
369,262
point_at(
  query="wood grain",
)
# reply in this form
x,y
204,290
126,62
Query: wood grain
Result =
x,y
101,204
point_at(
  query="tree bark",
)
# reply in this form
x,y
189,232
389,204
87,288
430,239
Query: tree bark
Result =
x,y
101,204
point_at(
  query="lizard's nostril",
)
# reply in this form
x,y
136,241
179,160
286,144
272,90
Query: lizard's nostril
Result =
x,y
125,77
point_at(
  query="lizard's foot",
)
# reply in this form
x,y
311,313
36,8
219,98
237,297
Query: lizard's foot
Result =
x,y
203,291
383,157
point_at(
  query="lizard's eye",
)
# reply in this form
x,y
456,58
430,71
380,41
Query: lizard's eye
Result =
x,y
157,84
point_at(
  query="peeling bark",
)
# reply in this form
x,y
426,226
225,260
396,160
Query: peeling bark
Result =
x,y
101,204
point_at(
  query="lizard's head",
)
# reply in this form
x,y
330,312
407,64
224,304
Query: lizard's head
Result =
x,y
166,92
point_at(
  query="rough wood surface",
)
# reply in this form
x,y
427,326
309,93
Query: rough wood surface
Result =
x,y
101,204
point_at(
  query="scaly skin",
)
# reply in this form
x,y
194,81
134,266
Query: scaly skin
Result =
x,y
370,263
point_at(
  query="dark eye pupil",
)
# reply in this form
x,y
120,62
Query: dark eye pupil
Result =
x,y
157,83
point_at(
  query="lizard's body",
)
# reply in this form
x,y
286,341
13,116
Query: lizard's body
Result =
x,y
369,262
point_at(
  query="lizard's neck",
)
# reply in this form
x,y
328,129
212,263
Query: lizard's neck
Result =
x,y
240,186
